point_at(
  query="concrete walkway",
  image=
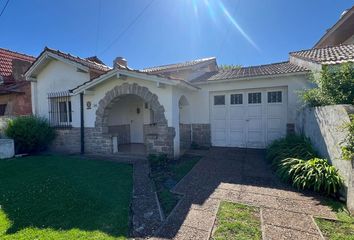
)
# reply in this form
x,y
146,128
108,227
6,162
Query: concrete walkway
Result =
x,y
242,176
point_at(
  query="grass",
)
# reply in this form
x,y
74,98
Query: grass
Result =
x,y
343,229
167,176
237,221
57,197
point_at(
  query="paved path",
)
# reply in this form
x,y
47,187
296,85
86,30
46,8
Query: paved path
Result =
x,y
241,176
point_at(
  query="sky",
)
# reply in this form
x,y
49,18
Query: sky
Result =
x,y
157,32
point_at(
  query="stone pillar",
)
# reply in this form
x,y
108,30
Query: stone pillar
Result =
x,y
159,139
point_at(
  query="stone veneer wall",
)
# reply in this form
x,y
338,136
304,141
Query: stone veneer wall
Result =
x,y
324,126
201,134
69,141
185,135
159,139
122,132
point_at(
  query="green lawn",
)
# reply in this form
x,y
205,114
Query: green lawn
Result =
x,y
167,176
237,221
57,197
343,229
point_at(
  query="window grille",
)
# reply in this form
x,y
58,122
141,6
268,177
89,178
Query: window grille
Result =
x,y
60,110
274,97
2,109
236,99
255,98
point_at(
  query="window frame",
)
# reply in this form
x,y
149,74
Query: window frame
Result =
x,y
236,95
276,92
221,104
250,98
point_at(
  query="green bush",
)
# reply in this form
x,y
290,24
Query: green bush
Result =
x,y
348,148
31,134
296,162
315,174
158,160
292,146
334,86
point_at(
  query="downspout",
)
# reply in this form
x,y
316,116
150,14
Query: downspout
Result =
x,y
82,125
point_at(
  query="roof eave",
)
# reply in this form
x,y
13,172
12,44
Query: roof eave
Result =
x,y
133,74
252,78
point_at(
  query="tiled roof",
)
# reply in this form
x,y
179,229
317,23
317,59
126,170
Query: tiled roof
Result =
x,y
85,62
327,55
178,65
6,57
252,71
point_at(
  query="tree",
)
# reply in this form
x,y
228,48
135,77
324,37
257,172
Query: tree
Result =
x,y
229,66
334,86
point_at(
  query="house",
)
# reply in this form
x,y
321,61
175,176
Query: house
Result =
x,y
15,91
164,109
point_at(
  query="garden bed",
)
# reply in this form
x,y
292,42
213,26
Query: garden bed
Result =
x,y
166,174
60,197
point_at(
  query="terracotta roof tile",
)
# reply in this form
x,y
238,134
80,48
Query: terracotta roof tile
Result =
x,y
252,71
178,65
6,57
328,55
92,65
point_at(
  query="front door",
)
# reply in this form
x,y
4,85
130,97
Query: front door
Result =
x,y
136,124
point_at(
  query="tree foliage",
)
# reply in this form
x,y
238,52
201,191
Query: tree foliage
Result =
x,y
229,66
334,86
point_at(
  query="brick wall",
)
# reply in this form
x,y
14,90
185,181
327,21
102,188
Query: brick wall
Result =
x,y
159,139
201,134
185,136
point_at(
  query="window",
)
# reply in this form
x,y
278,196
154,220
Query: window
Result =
x,y
2,109
60,110
236,99
219,100
255,98
275,97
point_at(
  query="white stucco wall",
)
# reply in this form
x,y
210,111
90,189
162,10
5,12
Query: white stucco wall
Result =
x,y
164,96
294,84
56,77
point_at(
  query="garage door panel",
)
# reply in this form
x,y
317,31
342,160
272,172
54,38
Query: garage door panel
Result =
x,y
274,123
219,124
275,110
255,124
237,112
254,111
219,113
273,135
237,124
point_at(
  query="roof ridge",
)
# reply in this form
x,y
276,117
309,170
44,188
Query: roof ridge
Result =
x,y
327,47
74,56
12,51
184,62
262,65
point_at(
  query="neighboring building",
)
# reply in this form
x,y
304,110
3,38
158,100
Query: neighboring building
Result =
x,y
340,33
15,91
98,109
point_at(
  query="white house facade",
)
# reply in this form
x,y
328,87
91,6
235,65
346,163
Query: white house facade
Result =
x,y
99,109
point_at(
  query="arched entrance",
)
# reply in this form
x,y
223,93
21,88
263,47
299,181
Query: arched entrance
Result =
x,y
131,113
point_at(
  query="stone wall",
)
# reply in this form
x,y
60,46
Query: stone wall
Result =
x,y
325,127
159,139
122,132
185,135
201,134
69,141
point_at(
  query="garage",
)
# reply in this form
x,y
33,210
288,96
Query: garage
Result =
x,y
248,118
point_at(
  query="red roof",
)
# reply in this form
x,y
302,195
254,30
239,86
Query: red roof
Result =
x,y
6,57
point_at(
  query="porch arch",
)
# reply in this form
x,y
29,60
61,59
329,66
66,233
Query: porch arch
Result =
x,y
143,92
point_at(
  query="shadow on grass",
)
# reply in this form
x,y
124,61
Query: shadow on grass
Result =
x,y
64,193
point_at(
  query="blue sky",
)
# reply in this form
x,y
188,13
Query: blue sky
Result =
x,y
245,32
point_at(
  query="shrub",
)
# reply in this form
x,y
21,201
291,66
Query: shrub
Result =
x,y
334,86
348,148
292,146
315,174
158,161
30,133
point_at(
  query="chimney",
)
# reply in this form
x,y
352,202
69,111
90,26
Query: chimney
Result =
x,y
120,62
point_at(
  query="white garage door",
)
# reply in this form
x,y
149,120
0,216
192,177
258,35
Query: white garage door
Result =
x,y
248,119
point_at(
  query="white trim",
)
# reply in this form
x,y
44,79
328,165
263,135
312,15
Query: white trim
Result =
x,y
120,72
51,56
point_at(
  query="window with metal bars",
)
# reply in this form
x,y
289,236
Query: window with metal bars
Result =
x,y
2,109
60,110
